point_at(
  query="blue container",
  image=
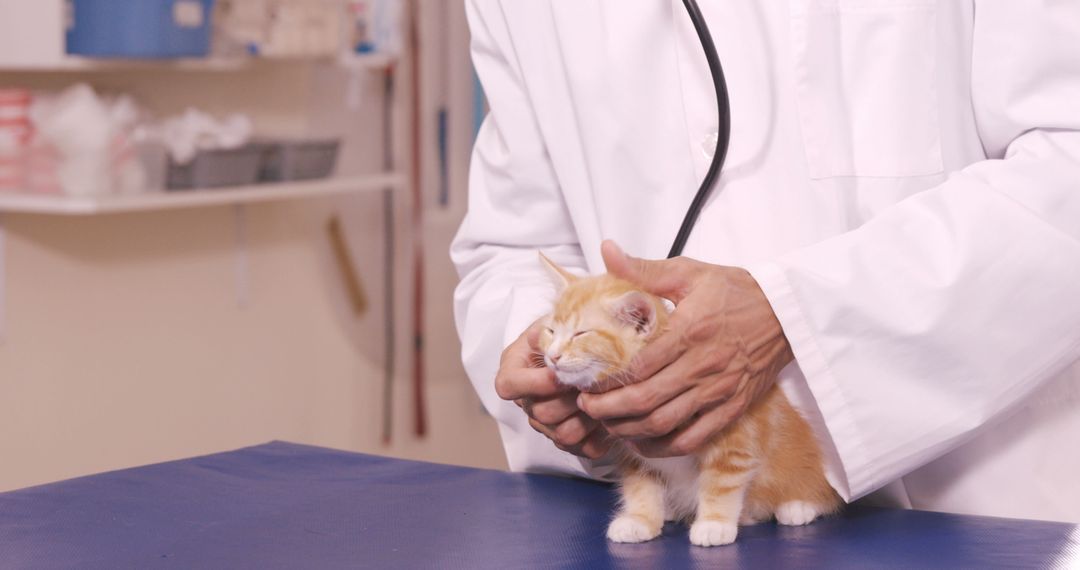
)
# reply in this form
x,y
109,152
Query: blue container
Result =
x,y
139,28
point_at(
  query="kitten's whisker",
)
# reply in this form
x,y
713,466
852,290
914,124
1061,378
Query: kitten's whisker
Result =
x,y
621,376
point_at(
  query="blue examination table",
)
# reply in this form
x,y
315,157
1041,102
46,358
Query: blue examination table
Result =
x,y
282,505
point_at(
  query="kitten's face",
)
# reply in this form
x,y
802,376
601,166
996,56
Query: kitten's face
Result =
x,y
598,325
585,344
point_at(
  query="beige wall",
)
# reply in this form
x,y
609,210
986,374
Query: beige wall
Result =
x,y
129,340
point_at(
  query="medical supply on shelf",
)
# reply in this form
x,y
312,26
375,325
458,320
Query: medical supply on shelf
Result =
x,y
193,131
287,160
387,18
205,152
239,27
361,27
303,28
216,168
15,133
279,28
139,28
81,144
153,155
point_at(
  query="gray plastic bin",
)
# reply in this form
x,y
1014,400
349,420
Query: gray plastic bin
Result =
x,y
298,160
216,168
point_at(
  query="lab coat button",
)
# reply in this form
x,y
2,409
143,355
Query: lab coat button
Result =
x,y
708,144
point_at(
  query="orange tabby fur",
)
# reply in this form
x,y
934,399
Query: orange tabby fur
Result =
x,y
765,464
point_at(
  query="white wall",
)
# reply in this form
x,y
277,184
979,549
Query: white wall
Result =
x,y
127,341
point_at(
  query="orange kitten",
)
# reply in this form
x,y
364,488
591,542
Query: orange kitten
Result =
x,y
766,464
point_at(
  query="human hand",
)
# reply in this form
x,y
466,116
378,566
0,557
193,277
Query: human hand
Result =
x,y
551,407
721,350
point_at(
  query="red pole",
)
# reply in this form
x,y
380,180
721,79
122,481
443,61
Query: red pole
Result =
x,y
420,412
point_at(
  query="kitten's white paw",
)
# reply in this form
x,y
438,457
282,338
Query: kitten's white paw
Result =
x,y
796,513
713,533
628,528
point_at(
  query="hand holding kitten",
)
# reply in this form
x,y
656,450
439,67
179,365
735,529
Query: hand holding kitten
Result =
x,y
703,365
551,407
722,349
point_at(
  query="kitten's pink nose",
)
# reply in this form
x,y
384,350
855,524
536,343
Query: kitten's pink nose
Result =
x,y
555,357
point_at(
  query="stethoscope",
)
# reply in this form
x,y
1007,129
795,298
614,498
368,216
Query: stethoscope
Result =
x,y
723,109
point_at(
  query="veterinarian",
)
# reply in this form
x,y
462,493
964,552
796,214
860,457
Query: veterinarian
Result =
x,y
895,238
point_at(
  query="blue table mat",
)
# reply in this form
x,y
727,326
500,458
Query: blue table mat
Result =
x,y
282,505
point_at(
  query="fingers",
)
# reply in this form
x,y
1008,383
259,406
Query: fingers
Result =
x,y
596,445
616,261
667,375
565,435
532,335
517,382
630,401
692,437
667,278
552,411
519,376
661,421
579,435
658,354
520,353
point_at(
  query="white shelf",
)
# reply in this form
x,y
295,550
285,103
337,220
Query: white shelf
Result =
x,y
15,202
371,61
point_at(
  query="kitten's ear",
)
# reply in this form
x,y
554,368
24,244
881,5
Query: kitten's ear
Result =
x,y
559,276
635,309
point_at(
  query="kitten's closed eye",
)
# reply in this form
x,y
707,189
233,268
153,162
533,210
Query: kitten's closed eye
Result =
x,y
576,334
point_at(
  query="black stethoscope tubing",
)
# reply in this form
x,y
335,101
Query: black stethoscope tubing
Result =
x,y
723,139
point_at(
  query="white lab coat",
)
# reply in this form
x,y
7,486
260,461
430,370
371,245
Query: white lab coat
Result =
x,y
903,181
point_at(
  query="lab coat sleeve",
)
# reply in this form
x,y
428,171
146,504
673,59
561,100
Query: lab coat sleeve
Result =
x,y
946,310
515,209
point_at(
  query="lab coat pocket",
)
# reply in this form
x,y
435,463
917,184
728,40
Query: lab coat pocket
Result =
x,y
865,73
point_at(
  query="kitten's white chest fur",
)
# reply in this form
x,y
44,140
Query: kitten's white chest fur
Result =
x,y
680,476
